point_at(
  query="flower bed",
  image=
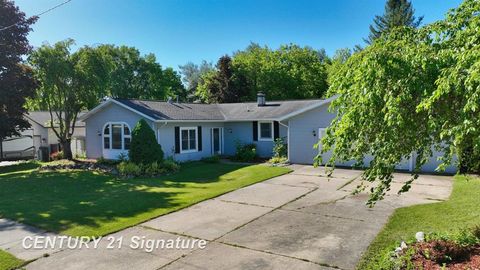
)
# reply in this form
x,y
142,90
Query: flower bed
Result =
x,y
438,252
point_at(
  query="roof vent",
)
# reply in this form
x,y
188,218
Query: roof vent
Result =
x,y
170,100
260,99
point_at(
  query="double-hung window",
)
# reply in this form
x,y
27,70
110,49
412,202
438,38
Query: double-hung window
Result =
x,y
266,131
116,136
188,139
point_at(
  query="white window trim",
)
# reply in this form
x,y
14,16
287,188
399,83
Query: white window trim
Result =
x,y
260,131
196,140
110,135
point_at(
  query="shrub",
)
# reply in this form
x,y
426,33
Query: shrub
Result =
x,y
245,152
129,169
154,169
122,157
170,165
212,159
107,162
57,155
144,148
278,160
280,148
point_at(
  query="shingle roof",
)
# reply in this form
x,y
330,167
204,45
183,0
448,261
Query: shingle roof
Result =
x,y
43,118
160,110
272,110
174,111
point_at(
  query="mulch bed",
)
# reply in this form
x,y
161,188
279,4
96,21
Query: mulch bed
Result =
x,y
88,165
440,254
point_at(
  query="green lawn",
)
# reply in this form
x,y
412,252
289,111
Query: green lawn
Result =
x,y
461,211
8,261
91,204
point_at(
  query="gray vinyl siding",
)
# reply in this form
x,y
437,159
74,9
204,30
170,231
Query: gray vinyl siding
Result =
x,y
302,140
166,138
301,134
95,123
243,132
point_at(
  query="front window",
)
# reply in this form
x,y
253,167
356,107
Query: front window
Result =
x,y
266,131
116,136
188,138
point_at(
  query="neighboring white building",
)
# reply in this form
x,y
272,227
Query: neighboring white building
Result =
x,y
40,134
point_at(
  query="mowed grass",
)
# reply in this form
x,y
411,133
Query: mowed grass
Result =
x,y
461,211
80,203
8,261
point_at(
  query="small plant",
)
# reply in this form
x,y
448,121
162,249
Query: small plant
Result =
x,y
170,165
476,232
107,162
129,169
154,169
122,157
211,159
280,148
57,155
81,155
245,152
278,160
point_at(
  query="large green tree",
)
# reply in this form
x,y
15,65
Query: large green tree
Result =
x,y
411,91
397,13
289,72
16,79
69,83
223,85
132,75
192,77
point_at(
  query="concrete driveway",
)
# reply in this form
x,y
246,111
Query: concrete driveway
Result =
x,y
297,221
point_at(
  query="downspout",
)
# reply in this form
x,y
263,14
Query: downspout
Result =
x,y
288,139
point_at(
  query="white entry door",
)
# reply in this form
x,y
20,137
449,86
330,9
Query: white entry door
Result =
x,y
217,141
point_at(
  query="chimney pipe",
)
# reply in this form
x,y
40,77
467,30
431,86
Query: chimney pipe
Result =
x,y
260,99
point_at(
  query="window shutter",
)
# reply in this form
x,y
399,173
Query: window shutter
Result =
x,y
177,140
255,131
199,136
276,130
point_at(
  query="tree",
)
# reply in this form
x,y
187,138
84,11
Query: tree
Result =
x,y
223,85
338,61
397,13
69,83
409,92
192,77
16,79
132,75
144,148
290,72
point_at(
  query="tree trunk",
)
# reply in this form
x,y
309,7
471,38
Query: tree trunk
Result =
x,y
1,149
67,150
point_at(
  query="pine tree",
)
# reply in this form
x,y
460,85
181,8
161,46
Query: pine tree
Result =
x,y
397,13
226,86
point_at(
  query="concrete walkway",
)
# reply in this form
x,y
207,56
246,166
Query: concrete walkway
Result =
x,y
297,221
11,237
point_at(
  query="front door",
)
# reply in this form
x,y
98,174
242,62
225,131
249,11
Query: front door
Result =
x,y
217,141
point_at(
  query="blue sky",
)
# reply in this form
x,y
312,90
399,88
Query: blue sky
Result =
x,y
178,31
